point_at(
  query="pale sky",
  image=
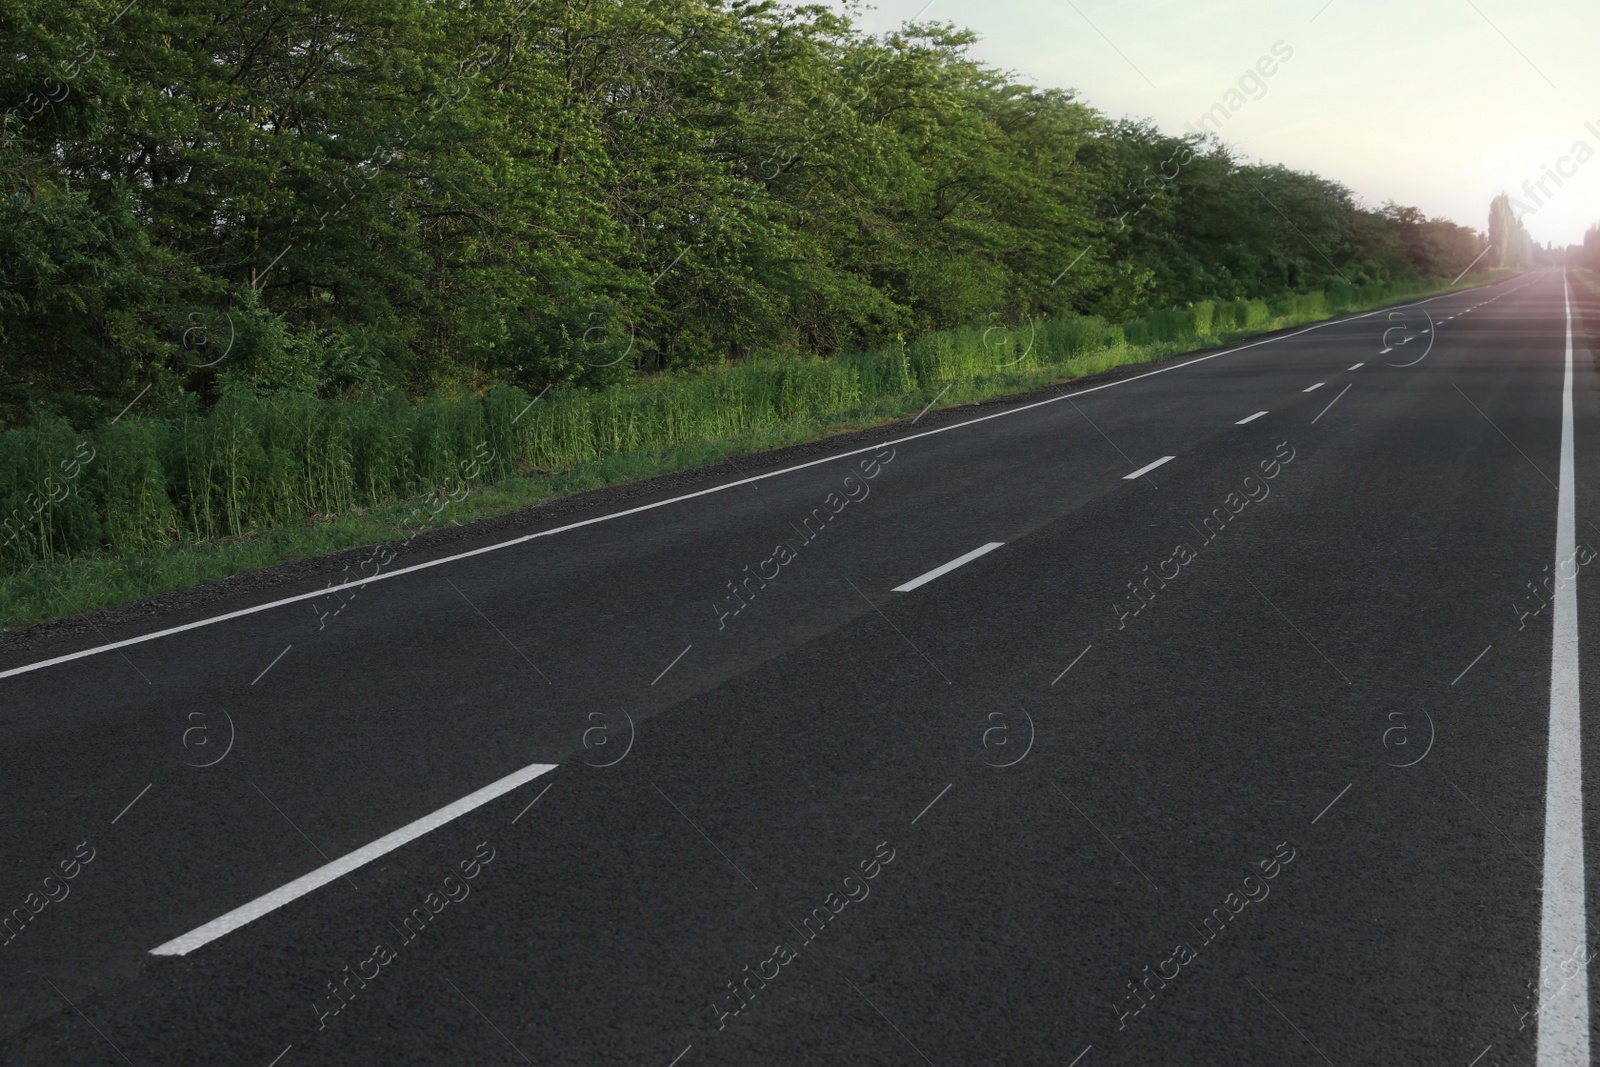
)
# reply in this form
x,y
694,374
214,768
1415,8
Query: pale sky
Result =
x,y
1439,104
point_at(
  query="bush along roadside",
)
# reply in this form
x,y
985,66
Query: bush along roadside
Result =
x,y
180,495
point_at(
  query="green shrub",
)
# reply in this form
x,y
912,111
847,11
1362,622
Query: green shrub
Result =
x,y
129,476
45,507
258,460
1168,324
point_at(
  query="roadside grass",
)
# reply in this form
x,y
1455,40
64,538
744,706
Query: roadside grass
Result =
x,y
182,499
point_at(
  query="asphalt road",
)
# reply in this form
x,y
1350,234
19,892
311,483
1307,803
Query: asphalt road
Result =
x,y
1254,758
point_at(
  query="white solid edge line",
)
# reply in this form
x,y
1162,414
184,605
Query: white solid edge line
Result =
x,y
1313,388
924,579
1146,469
361,582
247,913
1250,418
1564,1012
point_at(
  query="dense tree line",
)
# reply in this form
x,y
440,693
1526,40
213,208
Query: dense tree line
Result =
x,y
1587,254
326,195
1509,242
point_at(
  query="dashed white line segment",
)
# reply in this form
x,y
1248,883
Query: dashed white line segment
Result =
x,y
1147,468
270,902
924,579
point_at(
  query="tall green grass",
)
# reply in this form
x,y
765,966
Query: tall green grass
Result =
x,y
252,464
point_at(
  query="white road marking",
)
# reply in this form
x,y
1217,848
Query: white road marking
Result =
x,y
1147,468
1318,385
1564,1013
357,583
1425,353
265,905
946,568
1357,366
1250,418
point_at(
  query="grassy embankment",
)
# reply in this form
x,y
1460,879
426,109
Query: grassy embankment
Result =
x,y
167,499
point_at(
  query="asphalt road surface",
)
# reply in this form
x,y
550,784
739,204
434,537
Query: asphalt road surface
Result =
x,y
1245,730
